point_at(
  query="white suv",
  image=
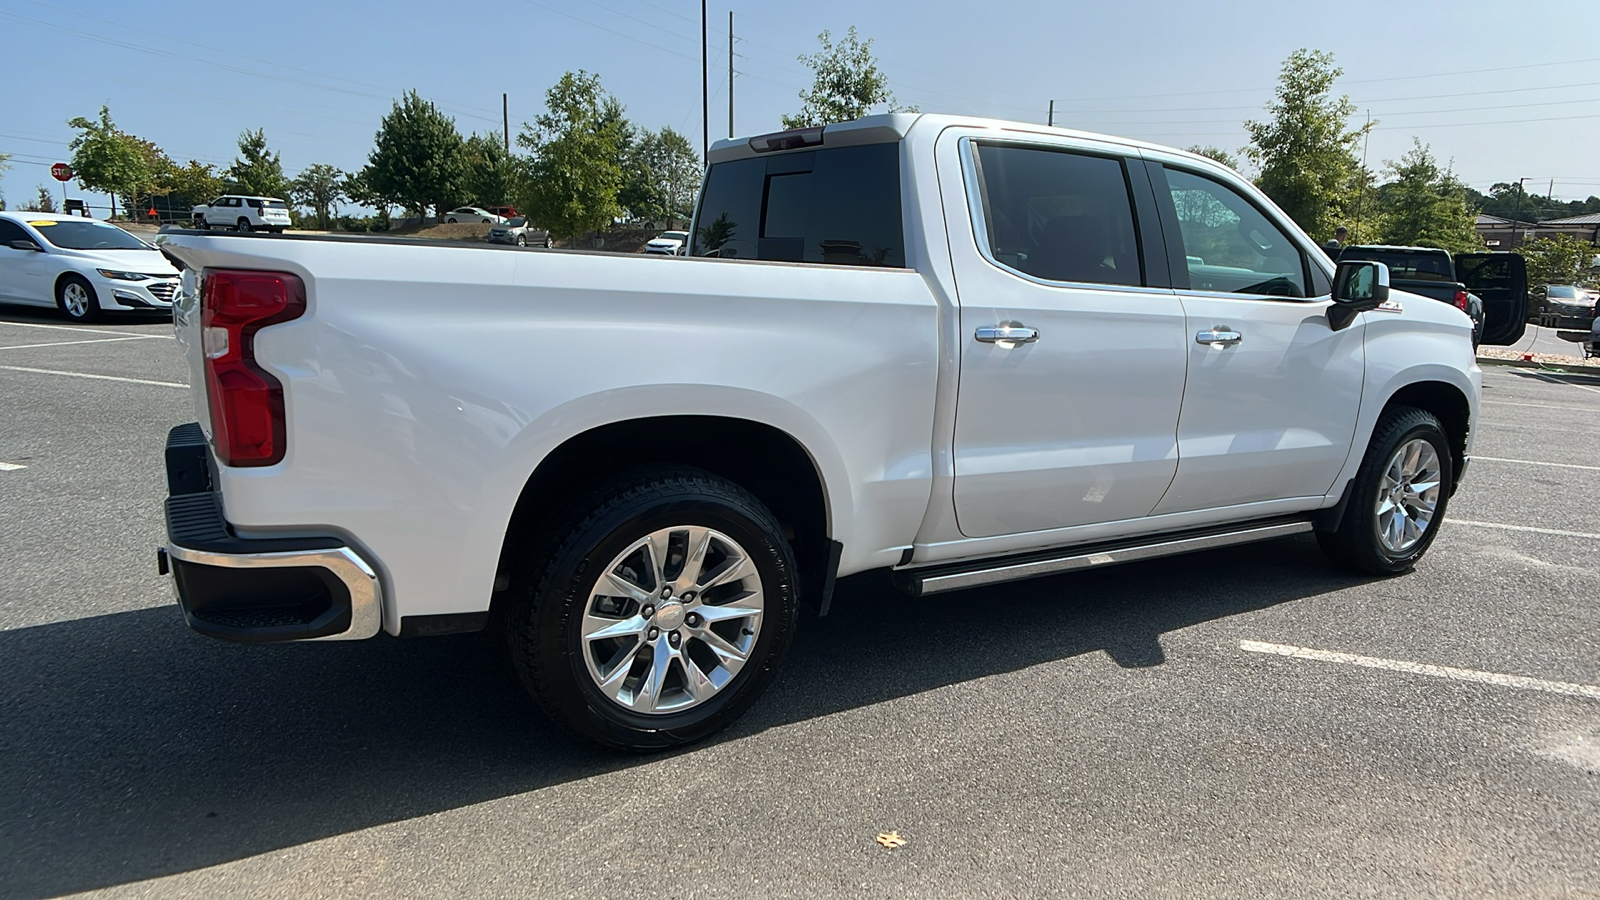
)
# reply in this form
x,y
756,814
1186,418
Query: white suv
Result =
x,y
243,213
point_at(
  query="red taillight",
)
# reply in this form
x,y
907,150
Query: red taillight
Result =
x,y
1461,300
246,401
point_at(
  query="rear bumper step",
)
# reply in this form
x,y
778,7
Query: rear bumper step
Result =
x,y
257,589
959,576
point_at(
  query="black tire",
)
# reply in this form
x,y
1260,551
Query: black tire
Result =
x,y
551,591
243,225
90,311
450,221
1357,543
522,240
200,223
548,244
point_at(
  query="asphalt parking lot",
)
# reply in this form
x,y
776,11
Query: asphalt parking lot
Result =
x,y
1245,722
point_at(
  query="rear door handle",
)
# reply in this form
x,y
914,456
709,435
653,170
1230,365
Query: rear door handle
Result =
x,y
1007,334
1220,336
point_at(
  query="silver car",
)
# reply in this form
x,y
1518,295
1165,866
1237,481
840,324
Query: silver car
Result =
x,y
516,230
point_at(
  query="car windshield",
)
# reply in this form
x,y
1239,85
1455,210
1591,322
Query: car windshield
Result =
x,y
673,236
70,235
518,221
1561,292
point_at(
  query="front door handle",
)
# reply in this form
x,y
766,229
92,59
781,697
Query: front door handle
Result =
x,y
1220,336
1007,334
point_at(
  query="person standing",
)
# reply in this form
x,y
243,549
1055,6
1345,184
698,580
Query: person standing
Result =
x,y
1332,248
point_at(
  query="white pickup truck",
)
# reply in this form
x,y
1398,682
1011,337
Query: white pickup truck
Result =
x,y
968,351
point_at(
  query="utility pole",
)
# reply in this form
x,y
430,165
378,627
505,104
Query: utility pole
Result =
x,y
705,87
505,122
730,74
1051,121
1366,140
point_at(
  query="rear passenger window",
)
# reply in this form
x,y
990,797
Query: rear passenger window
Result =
x,y
1230,245
839,206
1058,215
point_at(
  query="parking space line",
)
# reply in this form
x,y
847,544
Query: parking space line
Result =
x,y
151,337
1580,387
1525,462
11,467
1555,531
1587,409
70,343
100,377
1520,682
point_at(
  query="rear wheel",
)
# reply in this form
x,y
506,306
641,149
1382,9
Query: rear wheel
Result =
x,y
1398,497
242,225
450,221
76,297
656,610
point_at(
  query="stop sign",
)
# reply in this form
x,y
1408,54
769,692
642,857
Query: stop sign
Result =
x,y
61,172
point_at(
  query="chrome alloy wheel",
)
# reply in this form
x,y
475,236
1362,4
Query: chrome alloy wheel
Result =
x,y
1408,495
672,619
75,297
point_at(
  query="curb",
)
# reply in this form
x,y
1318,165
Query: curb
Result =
x,y
1591,372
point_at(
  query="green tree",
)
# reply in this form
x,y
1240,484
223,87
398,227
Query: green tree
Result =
x,y
418,159
1563,259
320,187
1426,205
45,204
847,85
1216,153
191,184
490,176
359,190
256,171
1510,201
576,170
106,159
661,173
1304,151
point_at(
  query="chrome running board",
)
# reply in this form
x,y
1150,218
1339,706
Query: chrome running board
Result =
x,y
958,576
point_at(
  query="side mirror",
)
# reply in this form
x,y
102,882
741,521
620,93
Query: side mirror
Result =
x,y
1358,285
25,244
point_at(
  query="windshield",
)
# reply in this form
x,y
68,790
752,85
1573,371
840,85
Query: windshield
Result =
x,y
1561,292
70,235
673,236
518,222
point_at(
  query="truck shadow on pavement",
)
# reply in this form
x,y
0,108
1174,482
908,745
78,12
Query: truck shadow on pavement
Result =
x,y
133,748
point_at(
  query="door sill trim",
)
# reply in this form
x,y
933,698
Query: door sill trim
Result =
x,y
960,576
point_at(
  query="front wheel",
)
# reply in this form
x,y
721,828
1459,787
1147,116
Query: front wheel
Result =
x,y
76,297
522,241
200,223
1398,497
656,611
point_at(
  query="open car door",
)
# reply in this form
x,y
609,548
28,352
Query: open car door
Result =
x,y
1501,281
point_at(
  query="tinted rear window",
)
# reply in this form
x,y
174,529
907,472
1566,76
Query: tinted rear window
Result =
x,y
1416,266
839,206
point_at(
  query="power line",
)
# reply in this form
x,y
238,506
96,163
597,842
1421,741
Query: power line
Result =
x,y
166,37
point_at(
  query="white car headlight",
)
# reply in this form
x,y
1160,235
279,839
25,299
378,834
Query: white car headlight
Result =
x,y
122,276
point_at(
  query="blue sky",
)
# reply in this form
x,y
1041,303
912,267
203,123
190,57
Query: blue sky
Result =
x,y
1505,95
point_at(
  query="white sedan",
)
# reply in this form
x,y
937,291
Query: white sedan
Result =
x,y
472,214
82,266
